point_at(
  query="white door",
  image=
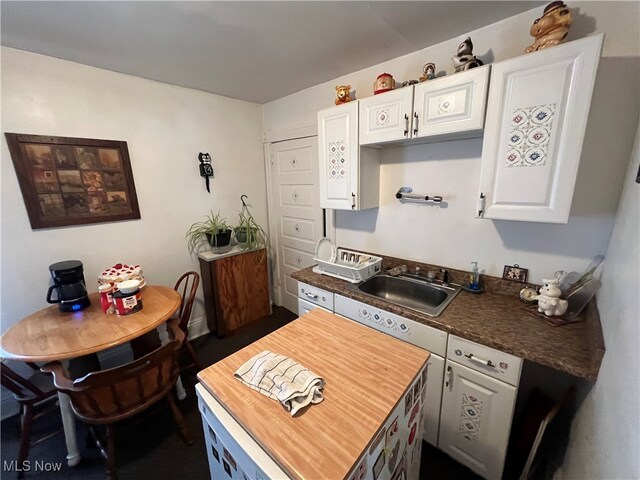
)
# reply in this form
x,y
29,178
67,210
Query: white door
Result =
x,y
536,118
338,153
297,218
432,402
476,419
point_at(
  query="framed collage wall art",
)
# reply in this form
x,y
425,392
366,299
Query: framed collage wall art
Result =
x,y
73,181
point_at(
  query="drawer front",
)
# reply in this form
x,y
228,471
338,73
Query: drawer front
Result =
x,y
428,338
496,364
316,295
306,307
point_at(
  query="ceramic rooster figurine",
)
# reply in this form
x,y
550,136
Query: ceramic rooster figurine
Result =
x,y
551,28
464,58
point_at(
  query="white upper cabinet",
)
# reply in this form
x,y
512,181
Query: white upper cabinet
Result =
x,y
445,108
536,118
386,117
349,175
451,107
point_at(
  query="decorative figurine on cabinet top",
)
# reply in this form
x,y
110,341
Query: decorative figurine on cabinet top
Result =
x,y
549,301
384,83
343,92
551,28
428,72
464,58
407,83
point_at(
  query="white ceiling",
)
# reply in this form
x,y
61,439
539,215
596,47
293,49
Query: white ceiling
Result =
x,y
255,51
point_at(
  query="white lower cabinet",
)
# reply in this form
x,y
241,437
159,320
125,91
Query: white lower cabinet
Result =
x,y
477,411
435,375
305,307
314,295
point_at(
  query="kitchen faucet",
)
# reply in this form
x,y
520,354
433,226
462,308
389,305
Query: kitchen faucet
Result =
x,y
445,276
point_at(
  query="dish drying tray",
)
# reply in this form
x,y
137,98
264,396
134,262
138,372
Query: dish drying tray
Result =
x,y
354,267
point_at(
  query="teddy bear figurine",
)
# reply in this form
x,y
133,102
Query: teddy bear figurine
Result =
x,y
343,92
551,28
549,301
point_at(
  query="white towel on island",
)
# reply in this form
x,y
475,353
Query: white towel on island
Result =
x,y
282,379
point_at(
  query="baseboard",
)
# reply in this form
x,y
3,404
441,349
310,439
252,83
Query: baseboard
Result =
x,y
198,327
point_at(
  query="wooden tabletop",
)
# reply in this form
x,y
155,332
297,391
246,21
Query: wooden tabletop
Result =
x,y
50,334
366,374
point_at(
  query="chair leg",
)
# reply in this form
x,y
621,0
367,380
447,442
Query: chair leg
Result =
x,y
193,355
111,452
183,430
25,434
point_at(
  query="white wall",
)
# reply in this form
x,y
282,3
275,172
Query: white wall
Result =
x,y
452,236
605,438
165,127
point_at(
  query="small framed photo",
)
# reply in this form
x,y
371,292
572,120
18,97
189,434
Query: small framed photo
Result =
x,y
515,273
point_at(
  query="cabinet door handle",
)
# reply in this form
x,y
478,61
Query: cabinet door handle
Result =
x,y
481,361
311,295
353,201
449,382
406,125
415,124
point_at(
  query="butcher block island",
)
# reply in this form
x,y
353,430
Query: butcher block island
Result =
x,y
369,424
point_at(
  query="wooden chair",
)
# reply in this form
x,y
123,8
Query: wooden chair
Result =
x,y
188,282
108,396
35,393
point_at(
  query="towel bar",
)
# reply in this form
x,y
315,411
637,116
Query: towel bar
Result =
x,y
405,194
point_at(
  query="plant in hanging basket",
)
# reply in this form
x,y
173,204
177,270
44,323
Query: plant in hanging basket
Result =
x,y
248,233
212,232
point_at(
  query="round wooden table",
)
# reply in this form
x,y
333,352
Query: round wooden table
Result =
x,y
50,334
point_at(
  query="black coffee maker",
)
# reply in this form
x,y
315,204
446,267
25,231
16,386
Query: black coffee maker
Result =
x,y
68,281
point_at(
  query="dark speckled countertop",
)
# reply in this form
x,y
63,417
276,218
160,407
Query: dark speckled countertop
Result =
x,y
496,318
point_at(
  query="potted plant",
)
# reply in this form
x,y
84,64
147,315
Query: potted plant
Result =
x,y
214,232
249,234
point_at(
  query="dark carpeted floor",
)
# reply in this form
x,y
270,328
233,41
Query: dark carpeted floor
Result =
x,y
148,447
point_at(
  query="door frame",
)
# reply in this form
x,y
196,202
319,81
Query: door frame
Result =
x,y
270,138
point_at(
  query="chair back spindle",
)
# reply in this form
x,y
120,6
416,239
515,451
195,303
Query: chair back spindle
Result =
x,y
187,286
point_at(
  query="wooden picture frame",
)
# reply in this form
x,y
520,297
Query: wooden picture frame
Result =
x,y
73,181
515,273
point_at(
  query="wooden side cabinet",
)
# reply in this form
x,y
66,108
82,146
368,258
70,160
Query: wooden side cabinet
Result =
x,y
236,289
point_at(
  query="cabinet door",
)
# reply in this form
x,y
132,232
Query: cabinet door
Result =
x,y
452,106
338,152
432,402
476,419
536,118
386,117
240,285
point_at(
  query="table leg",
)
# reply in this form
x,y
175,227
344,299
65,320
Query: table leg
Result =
x,y
69,427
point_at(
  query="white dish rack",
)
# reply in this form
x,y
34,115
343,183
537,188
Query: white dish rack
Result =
x,y
351,266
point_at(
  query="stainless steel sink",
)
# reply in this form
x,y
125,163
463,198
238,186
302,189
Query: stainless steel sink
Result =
x,y
411,292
